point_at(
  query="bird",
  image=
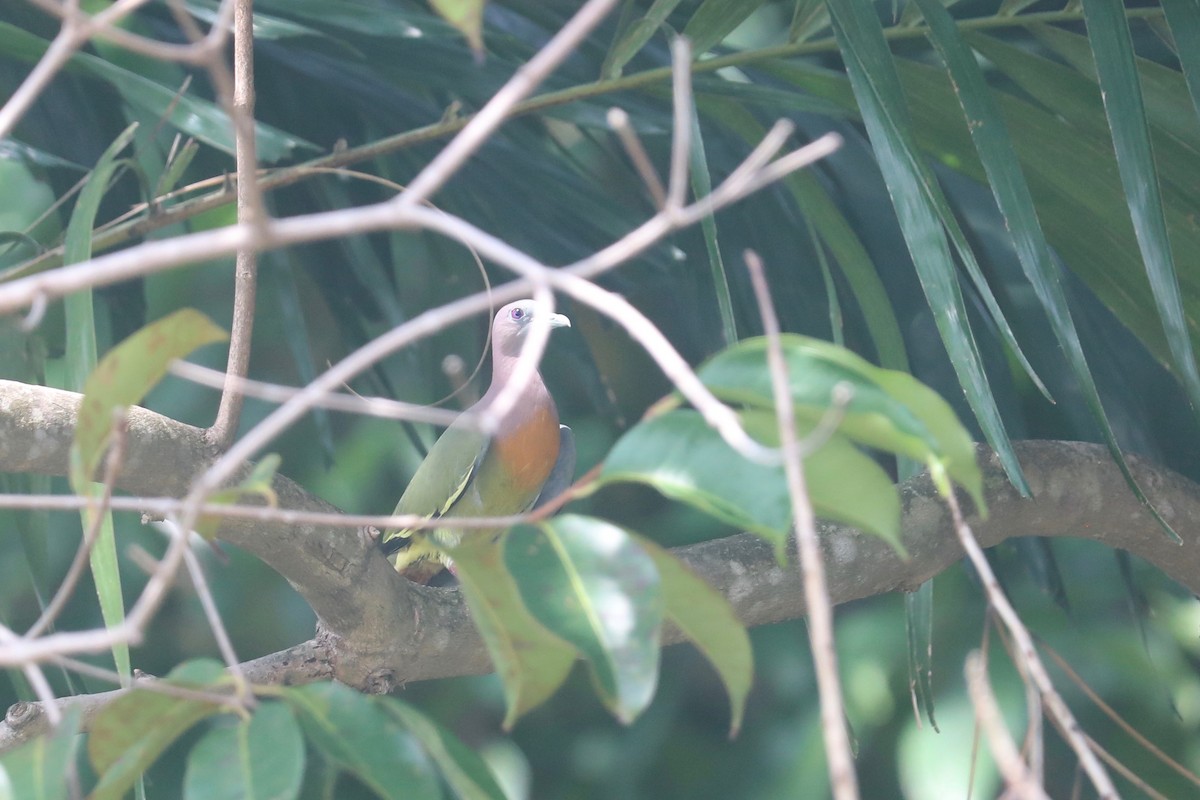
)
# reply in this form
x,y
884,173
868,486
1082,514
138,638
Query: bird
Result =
x,y
528,461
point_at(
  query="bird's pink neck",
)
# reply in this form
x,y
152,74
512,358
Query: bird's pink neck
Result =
x,y
533,398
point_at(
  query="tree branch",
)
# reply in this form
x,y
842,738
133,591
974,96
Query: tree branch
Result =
x,y
377,632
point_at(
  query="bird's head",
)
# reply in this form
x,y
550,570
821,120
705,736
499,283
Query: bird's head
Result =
x,y
515,319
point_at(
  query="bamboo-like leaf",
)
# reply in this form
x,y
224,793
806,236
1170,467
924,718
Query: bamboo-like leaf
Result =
x,y
1164,90
918,619
80,362
199,118
1015,201
836,233
1122,93
809,17
635,37
716,19
702,186
1073,174
467,17
1183,16
873,76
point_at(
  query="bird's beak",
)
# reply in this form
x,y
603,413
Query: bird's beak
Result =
x,y
559,321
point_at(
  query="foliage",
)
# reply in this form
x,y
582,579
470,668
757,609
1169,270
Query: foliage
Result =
x,y
1011,220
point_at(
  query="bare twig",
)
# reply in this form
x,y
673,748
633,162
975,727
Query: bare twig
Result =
x,y
37,680
1112,714
216,624
842,778
1126,772
618,120
250,208
1022,781
681,142
382,407
1031,664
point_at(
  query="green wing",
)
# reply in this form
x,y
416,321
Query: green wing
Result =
x,y
442,478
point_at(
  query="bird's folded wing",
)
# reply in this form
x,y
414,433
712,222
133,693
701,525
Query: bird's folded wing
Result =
x,y
442,479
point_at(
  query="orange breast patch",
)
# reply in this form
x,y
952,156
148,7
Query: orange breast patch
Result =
x,y
529,451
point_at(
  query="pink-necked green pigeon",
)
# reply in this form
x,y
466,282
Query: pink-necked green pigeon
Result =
x,y
468,474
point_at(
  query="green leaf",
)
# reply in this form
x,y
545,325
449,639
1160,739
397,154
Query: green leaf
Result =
x,y
531,661
124,376
38,770
716,19
888,409
173,171
461,768
132,731
589,582
708,621
912,188
466,16
871,416
360,737
259,757
679,455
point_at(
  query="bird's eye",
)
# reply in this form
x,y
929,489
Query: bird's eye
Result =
x,y
517,313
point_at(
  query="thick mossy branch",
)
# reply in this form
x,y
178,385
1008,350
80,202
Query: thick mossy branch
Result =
x,y
378,631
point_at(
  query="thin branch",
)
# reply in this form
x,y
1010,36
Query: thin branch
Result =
x,y
250,209
1020,778
681,142
1121,722
1028,658
112,470
838,752
382,407
1125,771
618,120
37,680
527,78
215,623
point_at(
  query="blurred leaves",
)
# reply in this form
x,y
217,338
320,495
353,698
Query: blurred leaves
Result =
x,y
262,756
133,730
38,770
195,117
